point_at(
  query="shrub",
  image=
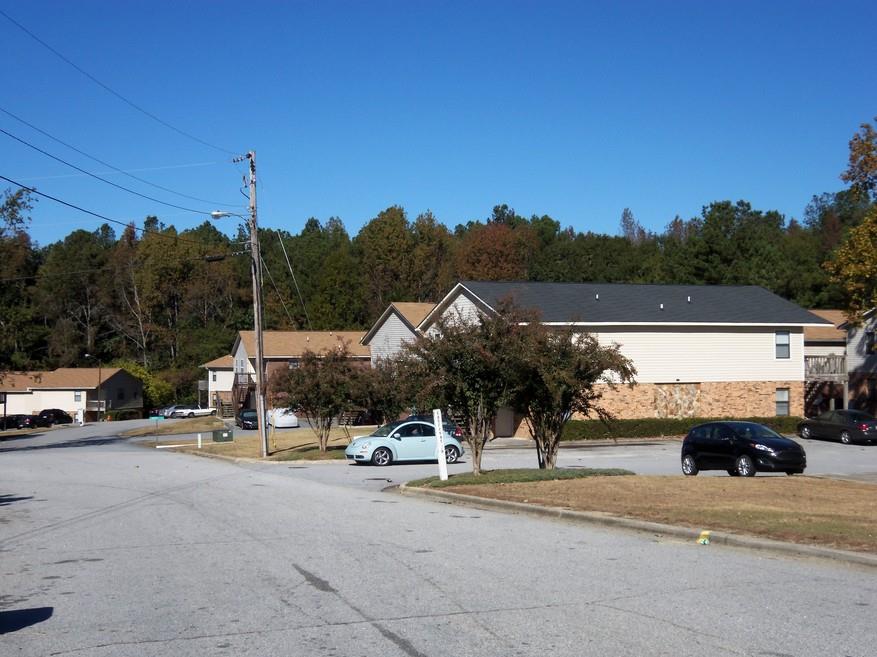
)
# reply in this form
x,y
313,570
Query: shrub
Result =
x,y
653,427
125,414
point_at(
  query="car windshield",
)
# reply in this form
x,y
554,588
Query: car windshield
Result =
x,y
752,431
387,429
248,414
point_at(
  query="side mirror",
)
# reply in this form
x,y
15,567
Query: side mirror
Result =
x,y
397,436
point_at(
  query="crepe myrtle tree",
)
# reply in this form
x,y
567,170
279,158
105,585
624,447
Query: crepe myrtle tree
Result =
x,y
462,365
555,374
320,388
382,390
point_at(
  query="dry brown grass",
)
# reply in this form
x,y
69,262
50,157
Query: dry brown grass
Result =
x,y
839,514
173,427
284,444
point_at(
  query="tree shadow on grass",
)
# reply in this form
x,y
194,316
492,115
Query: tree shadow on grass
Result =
x,y
18,619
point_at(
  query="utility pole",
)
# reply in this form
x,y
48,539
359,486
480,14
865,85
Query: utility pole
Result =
x,y
256,269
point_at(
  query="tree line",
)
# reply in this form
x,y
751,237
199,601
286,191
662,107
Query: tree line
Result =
x,y
170,300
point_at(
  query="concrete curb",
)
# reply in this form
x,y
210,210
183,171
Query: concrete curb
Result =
x,y
595,518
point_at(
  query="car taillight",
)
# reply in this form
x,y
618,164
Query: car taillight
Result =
x,y
863,426
458,433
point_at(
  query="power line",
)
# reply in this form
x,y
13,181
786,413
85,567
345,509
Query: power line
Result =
x,y
97,177
143,231
80,272
112,91
279,296
300,297
106,164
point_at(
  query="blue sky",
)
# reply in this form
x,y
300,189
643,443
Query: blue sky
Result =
x,y
576,110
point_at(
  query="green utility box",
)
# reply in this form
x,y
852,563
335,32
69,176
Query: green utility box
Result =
x,y
223,435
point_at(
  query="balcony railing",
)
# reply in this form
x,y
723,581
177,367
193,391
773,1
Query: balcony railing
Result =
x,y
825,368
244,379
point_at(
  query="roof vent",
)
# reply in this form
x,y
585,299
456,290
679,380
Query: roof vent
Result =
x,y
662,306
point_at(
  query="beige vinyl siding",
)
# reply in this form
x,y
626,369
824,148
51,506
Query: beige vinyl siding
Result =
x,y
224,381
463,309
388,340
20,403
697,354
858,358
241,355
824,350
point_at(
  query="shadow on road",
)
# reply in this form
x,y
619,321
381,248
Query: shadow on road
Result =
x,y
82,442
18,619
6,500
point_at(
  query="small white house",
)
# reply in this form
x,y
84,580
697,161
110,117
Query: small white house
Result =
x,y
88,389
220,380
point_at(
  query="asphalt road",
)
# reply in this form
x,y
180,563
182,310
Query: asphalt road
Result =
x,y
109,549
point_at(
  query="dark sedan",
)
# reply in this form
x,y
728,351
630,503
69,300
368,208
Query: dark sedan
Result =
x,y
52,416
19,421
740,448
846,426
247,419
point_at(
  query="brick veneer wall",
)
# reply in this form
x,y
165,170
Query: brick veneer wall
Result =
x,y
708,399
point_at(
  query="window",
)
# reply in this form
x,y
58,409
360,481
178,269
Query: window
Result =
x,y
293,364
213,374
783,344
782,401
77,395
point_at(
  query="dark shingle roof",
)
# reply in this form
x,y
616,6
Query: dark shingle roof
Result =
x,y
633,303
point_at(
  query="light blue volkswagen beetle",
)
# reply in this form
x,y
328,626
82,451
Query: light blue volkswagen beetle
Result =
x,y
403,440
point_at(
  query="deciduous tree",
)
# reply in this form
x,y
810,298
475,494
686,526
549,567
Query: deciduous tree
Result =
x,y
556,374
320,388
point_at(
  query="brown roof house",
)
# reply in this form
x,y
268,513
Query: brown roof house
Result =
x,y
72,389
281,350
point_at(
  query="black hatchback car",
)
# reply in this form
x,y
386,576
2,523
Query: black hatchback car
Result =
x,y
50,416
740,448
846,426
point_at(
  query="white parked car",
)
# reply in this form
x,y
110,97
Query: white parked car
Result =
x,y
191,410
282,418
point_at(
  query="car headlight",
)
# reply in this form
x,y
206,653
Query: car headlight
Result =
x,y
763,448
363,446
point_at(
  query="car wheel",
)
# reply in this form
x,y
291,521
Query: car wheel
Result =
x,y
845,437
451,454
382,456
733,472
689,467
191,415
793,472
745,466
805,432
212,412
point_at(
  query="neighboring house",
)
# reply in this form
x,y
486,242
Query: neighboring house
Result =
x,y
699,350
110,389
283,350
825,368
861,362
394,328
220,380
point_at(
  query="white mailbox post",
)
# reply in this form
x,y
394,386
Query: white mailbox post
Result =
x,y
440,444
